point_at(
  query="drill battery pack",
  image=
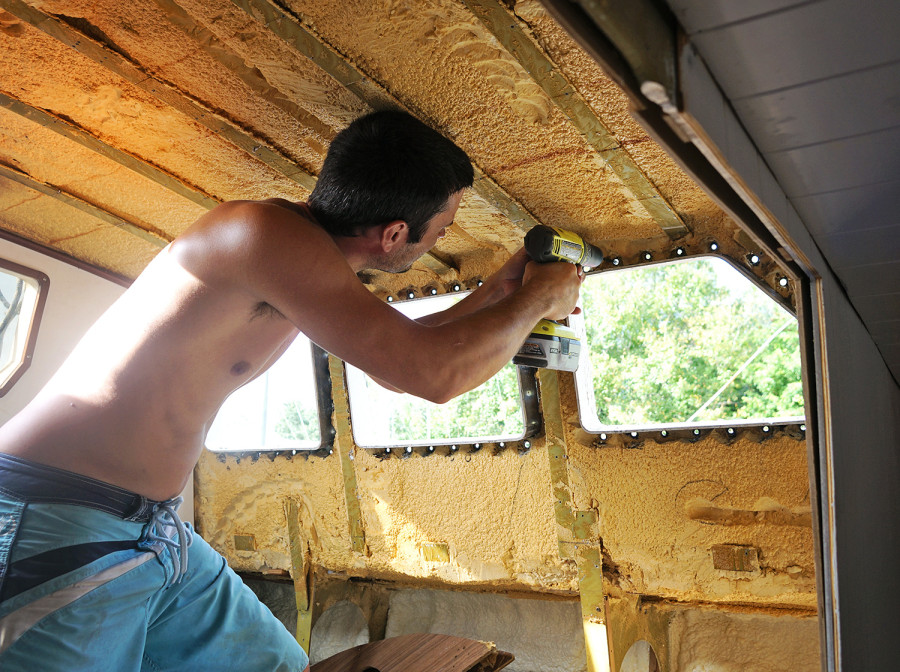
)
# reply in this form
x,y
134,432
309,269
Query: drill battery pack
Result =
x,y
550,346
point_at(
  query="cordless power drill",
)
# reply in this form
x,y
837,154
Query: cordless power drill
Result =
x,y
552,345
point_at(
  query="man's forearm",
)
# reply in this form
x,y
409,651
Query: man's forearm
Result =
x,y
497,287
482,297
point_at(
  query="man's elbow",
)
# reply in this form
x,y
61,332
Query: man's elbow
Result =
x,y
441,389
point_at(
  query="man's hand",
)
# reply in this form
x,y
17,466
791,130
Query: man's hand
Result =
x,y
560,281
509,276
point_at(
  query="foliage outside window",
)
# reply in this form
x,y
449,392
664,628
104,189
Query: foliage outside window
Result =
x,y
22,297
690,341
276,411
381,418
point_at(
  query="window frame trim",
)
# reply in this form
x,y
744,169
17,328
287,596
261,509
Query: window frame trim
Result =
x,y
325,413
43,281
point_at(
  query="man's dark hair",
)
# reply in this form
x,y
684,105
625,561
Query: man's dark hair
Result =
x,y
387,166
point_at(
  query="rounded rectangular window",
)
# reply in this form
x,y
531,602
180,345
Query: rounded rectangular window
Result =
x,y
23,292
489,413
276,411
692,341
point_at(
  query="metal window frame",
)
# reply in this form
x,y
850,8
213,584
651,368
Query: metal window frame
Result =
x,y
27,355
529,400
632,436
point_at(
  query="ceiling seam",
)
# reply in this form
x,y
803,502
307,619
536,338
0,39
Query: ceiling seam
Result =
x,y
751,19
817,80
857,136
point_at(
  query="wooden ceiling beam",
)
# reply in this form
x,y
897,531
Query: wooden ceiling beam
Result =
x,y
252,77
371,92
166,94
76,134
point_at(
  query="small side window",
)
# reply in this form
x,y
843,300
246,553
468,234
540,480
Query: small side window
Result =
x,y
692,341
23,292
279,410
493,412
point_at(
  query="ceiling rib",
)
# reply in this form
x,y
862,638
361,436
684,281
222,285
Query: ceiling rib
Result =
x,y
507,29
76,134
289,29
252,78
76,202
160,90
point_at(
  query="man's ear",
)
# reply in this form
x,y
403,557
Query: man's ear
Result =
x,y
394,235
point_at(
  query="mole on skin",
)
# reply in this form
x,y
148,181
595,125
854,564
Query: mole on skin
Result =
x,y
240,368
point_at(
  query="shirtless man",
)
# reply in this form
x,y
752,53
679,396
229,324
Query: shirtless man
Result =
x,y
97,572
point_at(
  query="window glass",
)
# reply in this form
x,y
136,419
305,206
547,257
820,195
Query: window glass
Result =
x,y
690,341
381,418
276,411
20,297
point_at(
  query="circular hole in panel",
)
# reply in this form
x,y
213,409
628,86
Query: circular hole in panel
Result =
x,y
640,658
342,626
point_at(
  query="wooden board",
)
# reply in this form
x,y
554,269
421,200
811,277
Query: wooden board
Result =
x,y
419,652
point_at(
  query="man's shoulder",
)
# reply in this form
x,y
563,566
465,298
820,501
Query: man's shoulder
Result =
x,y
266,208
273,216
238,231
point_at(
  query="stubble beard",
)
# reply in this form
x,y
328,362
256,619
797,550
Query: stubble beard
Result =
x,y
400,261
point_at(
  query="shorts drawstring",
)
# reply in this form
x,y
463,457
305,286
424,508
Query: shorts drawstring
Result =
x,y
165,515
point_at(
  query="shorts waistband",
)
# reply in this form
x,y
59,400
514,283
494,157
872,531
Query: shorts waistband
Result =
x,y
35,482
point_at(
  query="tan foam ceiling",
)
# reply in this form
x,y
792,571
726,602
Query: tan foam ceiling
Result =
x,y
121,123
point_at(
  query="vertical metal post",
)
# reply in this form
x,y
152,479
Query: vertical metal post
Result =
x,y
344,446
577,530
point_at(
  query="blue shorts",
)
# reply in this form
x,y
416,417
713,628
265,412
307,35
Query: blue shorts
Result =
x,y
93,577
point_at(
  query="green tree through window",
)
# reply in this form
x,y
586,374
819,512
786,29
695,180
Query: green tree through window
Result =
x,y
687,341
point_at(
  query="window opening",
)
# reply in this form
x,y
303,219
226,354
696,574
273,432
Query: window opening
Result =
x,y
690,341
22,297
279,410
491,412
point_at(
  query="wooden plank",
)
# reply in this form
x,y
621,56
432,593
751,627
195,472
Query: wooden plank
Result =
x,y
577,532
301,573
210,44
345,447
371,92
555,439
507,29
419,652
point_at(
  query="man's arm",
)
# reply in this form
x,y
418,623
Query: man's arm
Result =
x,y
280,258
498,286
